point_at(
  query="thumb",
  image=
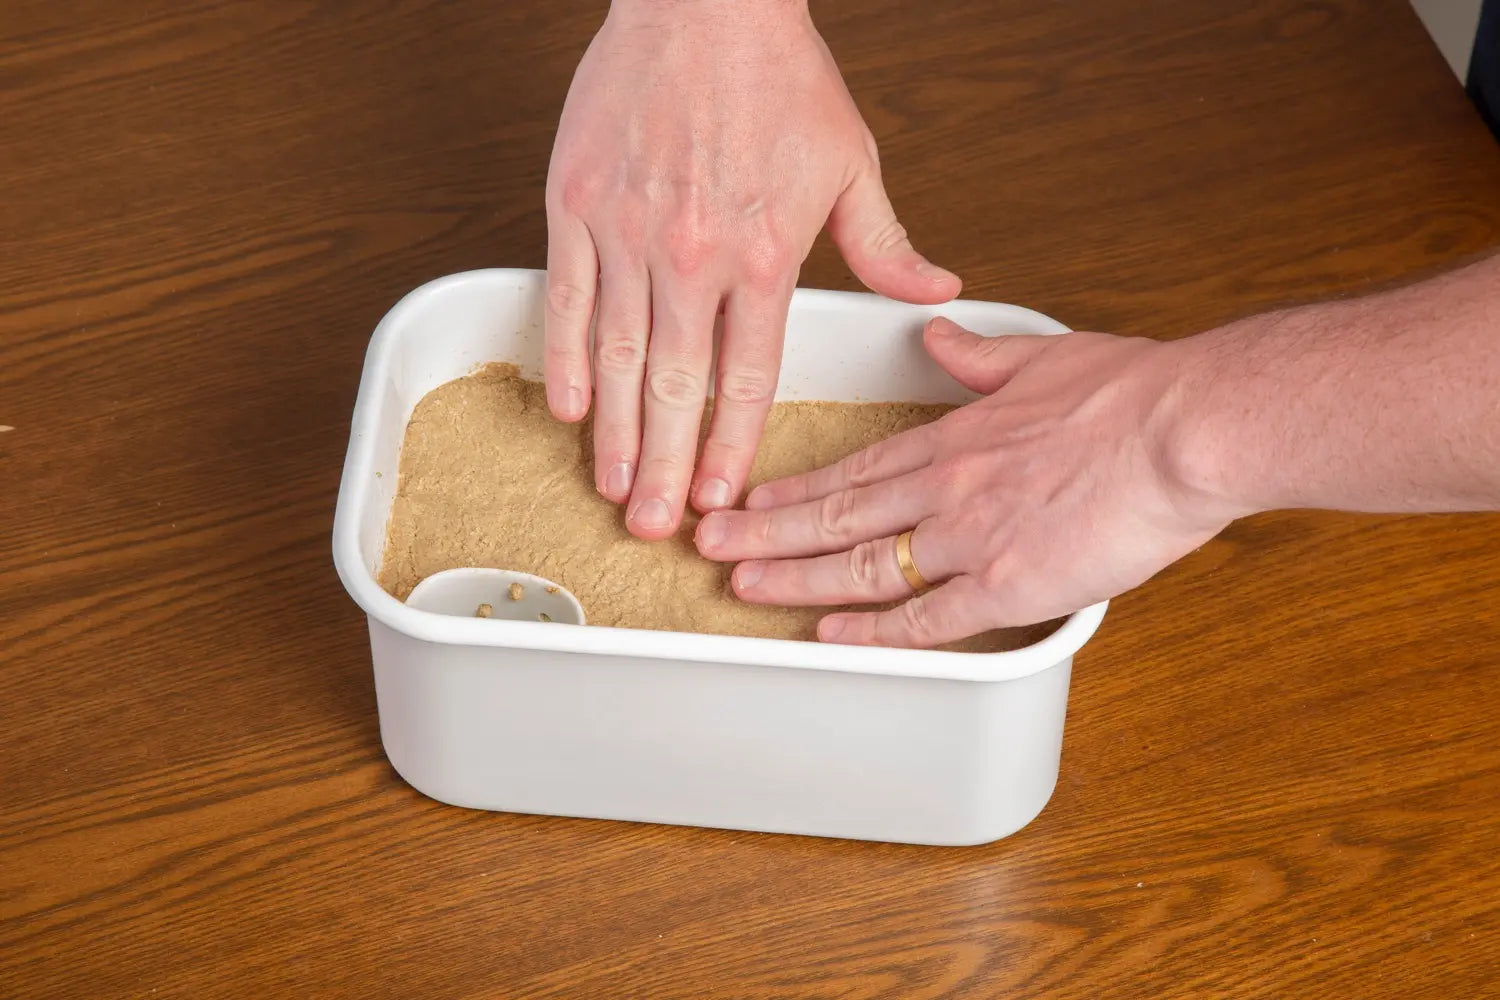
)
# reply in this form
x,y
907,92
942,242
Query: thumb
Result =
x,y
864,226
980,364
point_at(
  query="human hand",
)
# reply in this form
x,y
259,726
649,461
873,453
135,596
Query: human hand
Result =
x,y
1060,489
701,149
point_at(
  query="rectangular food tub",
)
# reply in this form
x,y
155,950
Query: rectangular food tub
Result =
x,y
754,734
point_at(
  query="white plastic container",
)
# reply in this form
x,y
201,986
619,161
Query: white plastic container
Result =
x,y
755,734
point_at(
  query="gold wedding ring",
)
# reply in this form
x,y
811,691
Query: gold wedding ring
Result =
x,y
909,569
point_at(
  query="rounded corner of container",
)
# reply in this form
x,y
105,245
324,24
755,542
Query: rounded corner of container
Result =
x,y
347,564
433,286
423,788
438,283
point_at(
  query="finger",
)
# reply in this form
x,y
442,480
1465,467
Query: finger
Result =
x,y
874,243
749,362
866,574
980,364
678,358
836,522
572,276
895,456
619,369
956,610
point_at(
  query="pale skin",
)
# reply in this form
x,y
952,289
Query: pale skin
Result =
x,y
703,145
1094,461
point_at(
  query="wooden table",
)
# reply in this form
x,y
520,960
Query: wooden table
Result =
x,y
1282,769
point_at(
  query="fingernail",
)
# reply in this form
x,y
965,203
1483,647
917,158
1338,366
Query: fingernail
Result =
x,y
576,404
943,327
713,493
758,498
652,514
748,574
830,627
617,482
712,531
932,272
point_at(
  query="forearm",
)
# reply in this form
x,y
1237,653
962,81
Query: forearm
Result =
x,y
1386,403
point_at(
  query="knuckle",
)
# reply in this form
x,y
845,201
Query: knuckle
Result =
x,y
560,350
661,470
751,386
916,617
576,194
860,468
569,301
621,354
959,473
767,264
864,566
689,248
622,322
666,475
888,237
996,577
836,513
991,347
686,258
674,387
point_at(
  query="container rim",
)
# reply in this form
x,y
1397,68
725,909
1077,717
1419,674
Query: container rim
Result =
x,y
428,626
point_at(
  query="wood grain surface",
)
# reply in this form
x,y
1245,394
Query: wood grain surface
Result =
x,y
1281,776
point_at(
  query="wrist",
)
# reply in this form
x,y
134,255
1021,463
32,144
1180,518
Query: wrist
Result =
x,y
1207,432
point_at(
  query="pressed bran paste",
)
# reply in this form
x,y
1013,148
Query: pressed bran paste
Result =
x,y
489,478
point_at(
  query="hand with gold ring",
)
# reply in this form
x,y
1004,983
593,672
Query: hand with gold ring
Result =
x,y
914,578
1046,496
